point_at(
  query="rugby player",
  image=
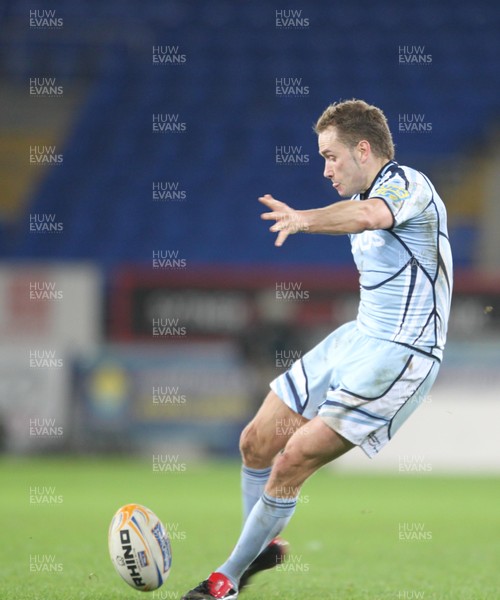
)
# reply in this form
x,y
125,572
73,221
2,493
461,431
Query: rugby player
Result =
x,y
358,385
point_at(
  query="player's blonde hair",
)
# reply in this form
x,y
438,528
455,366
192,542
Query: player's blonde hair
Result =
x,y
356,120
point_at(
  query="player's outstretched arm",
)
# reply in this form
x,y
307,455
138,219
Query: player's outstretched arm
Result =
x,y
346,216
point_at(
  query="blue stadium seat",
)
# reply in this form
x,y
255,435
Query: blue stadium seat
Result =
x,y
225,94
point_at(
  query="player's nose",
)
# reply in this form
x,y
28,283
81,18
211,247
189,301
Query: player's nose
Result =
x,y
328,171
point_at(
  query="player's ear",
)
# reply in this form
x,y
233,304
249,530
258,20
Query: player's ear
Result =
x,y
363,149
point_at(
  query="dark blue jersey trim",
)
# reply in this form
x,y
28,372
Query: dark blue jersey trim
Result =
x,y
307,385
419,350
411,288
442,266
433,313
414,259
387,168
296,396
386,391
377,285
356,409
389,434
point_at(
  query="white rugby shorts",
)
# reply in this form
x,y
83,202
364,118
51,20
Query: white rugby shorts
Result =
x,y
362,387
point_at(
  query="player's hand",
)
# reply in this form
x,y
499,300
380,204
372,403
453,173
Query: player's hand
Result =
x,y
288,220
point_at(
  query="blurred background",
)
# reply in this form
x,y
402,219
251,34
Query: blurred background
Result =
x,y
143,306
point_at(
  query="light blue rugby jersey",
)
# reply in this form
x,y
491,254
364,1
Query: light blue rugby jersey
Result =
x,y
406,272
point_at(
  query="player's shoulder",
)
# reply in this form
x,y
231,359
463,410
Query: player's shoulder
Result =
x,y
403,175
409,182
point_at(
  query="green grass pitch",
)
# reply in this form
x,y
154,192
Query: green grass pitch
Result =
x,y
353,537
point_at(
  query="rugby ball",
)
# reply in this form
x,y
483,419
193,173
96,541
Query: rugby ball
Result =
x,y
139,547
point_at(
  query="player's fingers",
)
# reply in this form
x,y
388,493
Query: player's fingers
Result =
x,y
280,240
271,216
281,224
271,202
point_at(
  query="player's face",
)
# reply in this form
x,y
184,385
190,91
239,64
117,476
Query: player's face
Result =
x,y
343,165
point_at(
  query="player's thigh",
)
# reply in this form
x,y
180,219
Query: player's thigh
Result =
x,y
270,429
313,445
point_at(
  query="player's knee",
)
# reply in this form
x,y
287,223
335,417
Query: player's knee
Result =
x,y
292,467
287,463
287,476
253,449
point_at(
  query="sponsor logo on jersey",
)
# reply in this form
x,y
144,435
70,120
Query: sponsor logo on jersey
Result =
x,y
392,192
367,240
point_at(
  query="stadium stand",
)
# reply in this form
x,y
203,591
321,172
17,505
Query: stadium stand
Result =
x,y
225,95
